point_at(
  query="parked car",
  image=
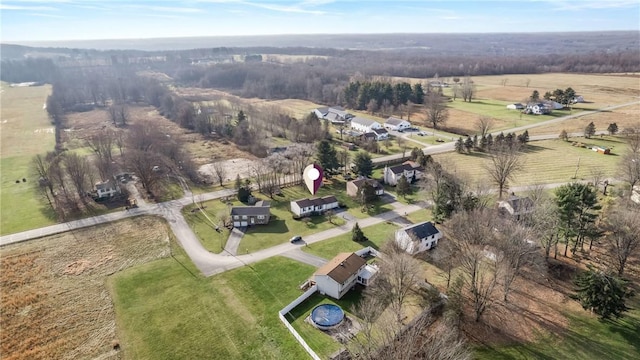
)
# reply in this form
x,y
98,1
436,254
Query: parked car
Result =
x,y
296,239
422,133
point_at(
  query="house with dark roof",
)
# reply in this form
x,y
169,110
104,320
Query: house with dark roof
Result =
x,y
393,123
364,125
410,169
418,237
258,214
315,206
341,274
355,186
516,206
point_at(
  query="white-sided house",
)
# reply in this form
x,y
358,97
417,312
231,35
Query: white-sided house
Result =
x,y
393,123
556,105
381,134
316,206
335,114
364,125
411,170
418,238
538,108
577,99
339,275
516,106
107,189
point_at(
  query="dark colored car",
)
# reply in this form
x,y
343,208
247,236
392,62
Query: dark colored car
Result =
x,y
296,239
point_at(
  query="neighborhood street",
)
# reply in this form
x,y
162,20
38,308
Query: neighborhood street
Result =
x,y
209,263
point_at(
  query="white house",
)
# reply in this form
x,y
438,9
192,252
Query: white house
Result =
x,y
516,206
516,106
335,114
418,238
340,274
411,170
577,99
107,189
316,206
394,123
538,108
364,125
557,105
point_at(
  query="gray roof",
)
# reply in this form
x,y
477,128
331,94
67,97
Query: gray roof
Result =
x,y
399,169
359,182
261,208
362,121
323,110
421,230
303,203
380,131
105,185
394,121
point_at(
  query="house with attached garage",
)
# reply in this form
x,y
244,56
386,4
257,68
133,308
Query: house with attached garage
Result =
x,y
355,186
393,123
364,125
315,206
258,214
342,273
376,135
418,237
336,114
410,169
538,109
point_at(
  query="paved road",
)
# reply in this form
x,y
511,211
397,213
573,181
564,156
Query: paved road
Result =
x,y
450,146
209,263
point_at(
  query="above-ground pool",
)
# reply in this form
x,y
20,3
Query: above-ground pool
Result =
x,y
327,316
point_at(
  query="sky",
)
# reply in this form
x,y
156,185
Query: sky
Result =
x,y
43,20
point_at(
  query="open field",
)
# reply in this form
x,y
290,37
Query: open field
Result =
x,y
55,304
545,162
165,312
201,224
626,117
25,132
378,234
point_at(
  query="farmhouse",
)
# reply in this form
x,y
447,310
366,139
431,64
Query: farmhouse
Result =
x,y
355,186
106,189
538,108
342,273
393,123
376,134
516,206
411,170
364,125
316,206
418,238
516,106
251,215
335,115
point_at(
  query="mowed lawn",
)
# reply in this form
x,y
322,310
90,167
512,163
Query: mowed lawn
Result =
x,y
165,312
25,132
545,162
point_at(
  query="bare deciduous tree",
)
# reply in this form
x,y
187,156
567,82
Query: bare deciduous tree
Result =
x,y
143,164
467,89
77,168
504,163
436,109
484,125
623,235
219,171
629,166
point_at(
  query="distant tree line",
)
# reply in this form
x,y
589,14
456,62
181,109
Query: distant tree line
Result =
x,y
358,95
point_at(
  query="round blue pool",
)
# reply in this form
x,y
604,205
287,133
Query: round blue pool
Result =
x,y
327,316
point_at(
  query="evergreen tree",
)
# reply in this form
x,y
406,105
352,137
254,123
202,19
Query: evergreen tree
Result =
x,y
603,293
468,144
475,142
524,137
357,234
460,146
578,205
241,116
363,164
590,130
483,143
489,141
327,156
403,188
612,129
238,183
367,195
535,95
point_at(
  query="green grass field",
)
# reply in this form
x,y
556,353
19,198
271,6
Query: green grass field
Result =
x,y
378,234
201,225
26,132
586,338
545,162
163,311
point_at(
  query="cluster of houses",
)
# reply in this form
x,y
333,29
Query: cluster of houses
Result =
x,y
367,128
541,107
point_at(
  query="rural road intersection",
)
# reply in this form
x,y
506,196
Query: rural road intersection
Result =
x,y
209,263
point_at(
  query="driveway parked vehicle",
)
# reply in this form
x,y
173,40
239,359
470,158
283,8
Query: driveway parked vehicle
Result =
x,y
296,239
